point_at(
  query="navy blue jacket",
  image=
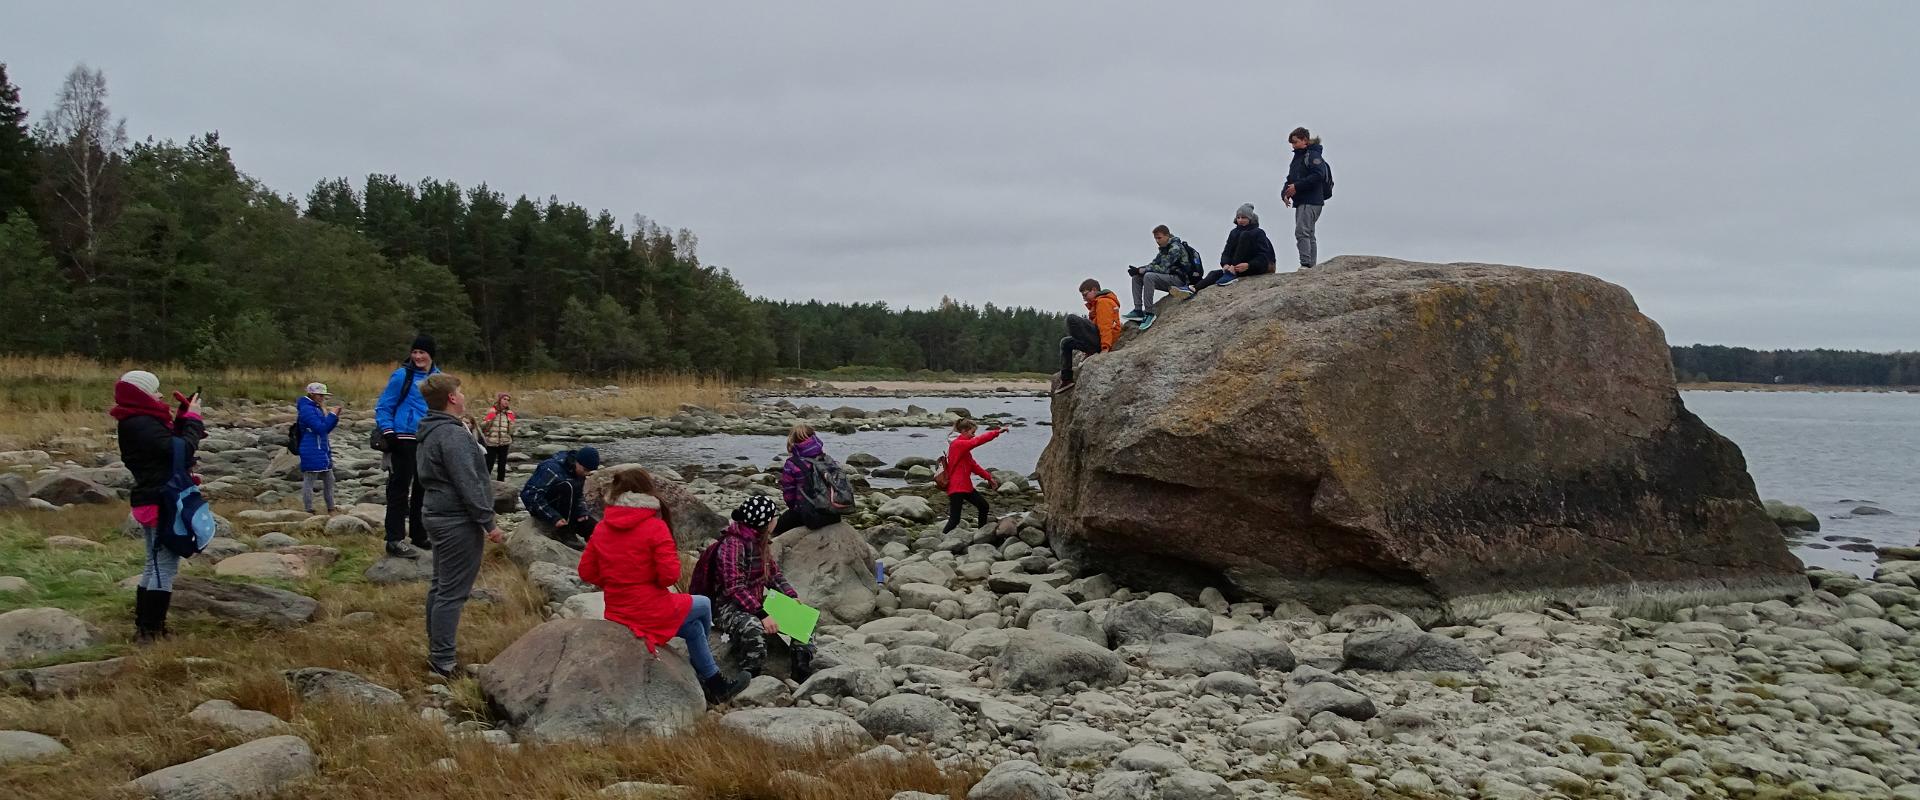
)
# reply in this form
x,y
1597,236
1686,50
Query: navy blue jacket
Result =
x,y
1309,176
1249,246
554,492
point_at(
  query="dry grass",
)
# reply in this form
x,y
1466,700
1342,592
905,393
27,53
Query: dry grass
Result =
x,y
137,724
46,397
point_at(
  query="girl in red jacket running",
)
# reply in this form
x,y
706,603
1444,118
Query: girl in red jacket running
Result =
x,y
632,558
960,471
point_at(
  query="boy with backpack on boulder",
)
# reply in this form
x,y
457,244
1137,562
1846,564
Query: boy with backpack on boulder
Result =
x,y
1173,269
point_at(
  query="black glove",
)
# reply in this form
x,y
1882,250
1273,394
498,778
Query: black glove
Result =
x,y
392,440
1134,271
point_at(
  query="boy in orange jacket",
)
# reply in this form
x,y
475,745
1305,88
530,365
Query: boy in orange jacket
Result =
x,y
1094,333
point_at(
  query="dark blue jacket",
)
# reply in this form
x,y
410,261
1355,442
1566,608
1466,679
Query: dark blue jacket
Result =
x,y
1249,246
1310,177
554,492
316,425
402,418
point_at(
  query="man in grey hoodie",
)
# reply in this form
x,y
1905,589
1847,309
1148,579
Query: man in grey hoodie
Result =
x,y
457,510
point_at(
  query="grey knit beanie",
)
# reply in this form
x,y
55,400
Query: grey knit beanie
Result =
x,y
1246,210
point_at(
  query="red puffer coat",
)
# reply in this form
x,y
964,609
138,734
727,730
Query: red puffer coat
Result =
x,y
960,464
632,558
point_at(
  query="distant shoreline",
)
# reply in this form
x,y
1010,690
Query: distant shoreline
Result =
x,y
1789,387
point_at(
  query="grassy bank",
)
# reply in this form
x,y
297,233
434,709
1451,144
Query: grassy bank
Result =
x,y
47,396
136,722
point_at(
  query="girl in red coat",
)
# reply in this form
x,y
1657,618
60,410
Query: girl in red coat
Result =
x,y
960,471
632,558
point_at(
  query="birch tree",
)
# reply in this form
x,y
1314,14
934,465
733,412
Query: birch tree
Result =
x,y
84,148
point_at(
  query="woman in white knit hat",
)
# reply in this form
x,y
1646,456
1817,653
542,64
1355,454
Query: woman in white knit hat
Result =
x,y
148,429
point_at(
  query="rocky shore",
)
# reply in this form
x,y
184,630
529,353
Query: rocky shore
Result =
x,y
986,650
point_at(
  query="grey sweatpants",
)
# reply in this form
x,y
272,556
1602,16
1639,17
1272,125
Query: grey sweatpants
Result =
x,y
457,550
1304,218
1144,284
307,480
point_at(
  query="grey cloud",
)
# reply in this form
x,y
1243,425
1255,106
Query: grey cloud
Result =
x,y
1746,169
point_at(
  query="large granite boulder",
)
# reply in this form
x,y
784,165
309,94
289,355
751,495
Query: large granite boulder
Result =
x,y
589,679
1457,439
27,634
832,568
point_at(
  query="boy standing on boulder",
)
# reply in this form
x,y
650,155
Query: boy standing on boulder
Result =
x,y
1090,336
457,508
1309,184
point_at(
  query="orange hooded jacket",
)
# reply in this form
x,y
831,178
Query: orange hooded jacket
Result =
x,y
1104,310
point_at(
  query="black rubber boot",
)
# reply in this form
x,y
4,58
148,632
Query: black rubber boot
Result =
x,y
720,688
162,601
802,664
147,624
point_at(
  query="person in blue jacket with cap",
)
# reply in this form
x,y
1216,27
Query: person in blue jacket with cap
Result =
x,y
556,498
316,423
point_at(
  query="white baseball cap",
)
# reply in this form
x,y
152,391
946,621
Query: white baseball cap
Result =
x,y
318,388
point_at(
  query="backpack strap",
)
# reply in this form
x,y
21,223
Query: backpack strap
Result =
x,y
405,388
179,447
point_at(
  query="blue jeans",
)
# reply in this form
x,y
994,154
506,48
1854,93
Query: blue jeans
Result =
x,y
694,631
161,564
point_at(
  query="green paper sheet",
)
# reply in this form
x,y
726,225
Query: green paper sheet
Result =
x,y
796,619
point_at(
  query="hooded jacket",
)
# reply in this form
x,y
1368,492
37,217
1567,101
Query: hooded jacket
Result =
x,y
553,492
1309,176
632,558
496,430
793,474
1104,310
402,417
453,473
960,464
1171,258
316,430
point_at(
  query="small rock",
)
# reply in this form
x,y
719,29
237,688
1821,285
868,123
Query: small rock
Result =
x,y
259,767
1016,780
224,714
32,633
318,684
19,747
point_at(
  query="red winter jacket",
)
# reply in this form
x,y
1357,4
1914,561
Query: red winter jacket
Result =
x,y
632,558
960,464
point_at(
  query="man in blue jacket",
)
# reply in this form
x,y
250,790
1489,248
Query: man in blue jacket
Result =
x,y
556,498
397,416
1309,184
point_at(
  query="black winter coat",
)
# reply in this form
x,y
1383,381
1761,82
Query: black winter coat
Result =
x,y
1249,246
147,448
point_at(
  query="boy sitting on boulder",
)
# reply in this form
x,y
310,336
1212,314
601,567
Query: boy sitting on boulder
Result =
x,y
1090,336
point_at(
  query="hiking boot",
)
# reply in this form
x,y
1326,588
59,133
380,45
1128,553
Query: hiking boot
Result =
x,y
1226,280
402,550
1184,290
1133,316
719,688
445,672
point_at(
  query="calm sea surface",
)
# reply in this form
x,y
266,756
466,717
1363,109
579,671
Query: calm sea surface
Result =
x,y
1829,452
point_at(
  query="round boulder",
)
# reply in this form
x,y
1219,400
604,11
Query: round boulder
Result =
x,y
915,715
583,679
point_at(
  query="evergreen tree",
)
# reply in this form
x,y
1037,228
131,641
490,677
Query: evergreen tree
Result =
x,y
32,291
19,171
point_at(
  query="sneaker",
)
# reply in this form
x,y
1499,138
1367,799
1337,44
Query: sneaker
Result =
x,y
444,672
1133,316
1226,279
402,550
1184,290
1064,388
1147,322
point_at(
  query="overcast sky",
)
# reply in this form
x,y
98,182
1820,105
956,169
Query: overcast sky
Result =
x,y
1748,170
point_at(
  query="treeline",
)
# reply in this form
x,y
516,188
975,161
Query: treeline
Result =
x,y
1700,363
160,251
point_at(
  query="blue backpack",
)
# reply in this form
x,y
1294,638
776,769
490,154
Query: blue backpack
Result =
x,y
186,521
